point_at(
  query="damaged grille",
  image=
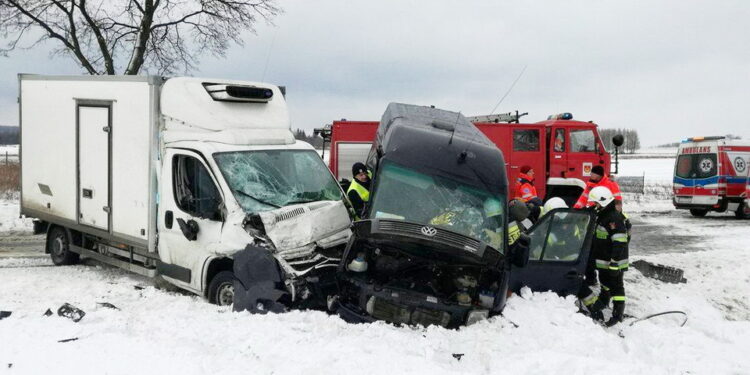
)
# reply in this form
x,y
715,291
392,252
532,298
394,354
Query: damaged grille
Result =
x,y
415,230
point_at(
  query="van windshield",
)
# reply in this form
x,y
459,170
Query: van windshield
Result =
x,y
270,179
404,194
696,166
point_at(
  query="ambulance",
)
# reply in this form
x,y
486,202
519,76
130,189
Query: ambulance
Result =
x,y
711,174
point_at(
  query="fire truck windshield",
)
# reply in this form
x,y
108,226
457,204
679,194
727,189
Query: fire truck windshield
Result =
x,y
269,179
405,194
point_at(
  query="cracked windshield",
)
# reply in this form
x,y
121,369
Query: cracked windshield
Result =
x,y
270,179
405,194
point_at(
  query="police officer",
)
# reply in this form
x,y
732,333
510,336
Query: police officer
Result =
x,y
610,251
359,189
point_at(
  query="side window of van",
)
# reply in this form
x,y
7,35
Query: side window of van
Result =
x,y
194,190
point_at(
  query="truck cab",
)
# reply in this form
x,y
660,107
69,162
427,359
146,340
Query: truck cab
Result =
x,y
433,247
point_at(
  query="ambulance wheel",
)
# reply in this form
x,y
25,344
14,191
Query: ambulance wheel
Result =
x,y
221,289
698,212
58,247
743,211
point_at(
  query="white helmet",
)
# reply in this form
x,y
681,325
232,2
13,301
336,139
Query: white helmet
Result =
x,y
555,202
601,195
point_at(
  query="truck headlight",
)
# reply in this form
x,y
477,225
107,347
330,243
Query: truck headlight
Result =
x,y
476,315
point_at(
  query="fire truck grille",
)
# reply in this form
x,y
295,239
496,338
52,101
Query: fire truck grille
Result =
x,y
416,230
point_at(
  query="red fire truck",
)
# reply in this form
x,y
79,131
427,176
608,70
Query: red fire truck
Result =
x,y
560,149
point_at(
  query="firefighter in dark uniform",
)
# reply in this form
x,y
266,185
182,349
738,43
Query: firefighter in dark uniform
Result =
x,y
359,189
610,251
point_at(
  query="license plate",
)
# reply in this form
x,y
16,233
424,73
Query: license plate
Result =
x,y
684,199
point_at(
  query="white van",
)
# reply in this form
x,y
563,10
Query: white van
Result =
x,y
172,176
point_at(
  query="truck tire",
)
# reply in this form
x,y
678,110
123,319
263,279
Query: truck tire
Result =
x,y
743,211
221,289
58,247
697,212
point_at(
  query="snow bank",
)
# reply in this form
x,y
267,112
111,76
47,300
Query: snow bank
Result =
x,y
9,218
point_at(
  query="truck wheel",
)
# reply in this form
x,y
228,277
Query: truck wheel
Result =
x,y
221,289
743,211
58,247
697,212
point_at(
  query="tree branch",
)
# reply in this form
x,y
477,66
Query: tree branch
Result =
x,y
108,63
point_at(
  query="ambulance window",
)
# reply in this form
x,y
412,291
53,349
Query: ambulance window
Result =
x,y
194,190
684,166
582,140
559,141
525,140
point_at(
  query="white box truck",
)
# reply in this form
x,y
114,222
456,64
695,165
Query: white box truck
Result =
x,y
172,176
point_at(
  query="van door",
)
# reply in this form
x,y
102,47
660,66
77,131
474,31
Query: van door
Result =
x,y
583,152
94,141
559,251
190,222
696,180
558,156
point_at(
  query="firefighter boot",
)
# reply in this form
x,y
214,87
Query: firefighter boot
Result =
x,y
618,312
595,311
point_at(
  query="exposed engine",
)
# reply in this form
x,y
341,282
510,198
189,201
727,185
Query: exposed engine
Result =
x,y
392,285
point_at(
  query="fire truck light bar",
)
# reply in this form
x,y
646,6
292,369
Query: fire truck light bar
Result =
x,y
561,116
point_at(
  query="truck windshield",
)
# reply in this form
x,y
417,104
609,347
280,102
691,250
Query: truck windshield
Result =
x,y
404,194
696,166
269,179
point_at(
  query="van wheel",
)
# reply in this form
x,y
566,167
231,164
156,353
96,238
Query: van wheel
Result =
x,y
58,247
221,289
697,212
743,211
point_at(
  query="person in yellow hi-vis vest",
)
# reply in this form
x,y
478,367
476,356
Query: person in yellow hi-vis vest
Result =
x,y
359,189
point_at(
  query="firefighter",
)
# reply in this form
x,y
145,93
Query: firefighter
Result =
x,y
359,189
610,251
526,192
597,178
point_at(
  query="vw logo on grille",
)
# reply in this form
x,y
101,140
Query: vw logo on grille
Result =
x,y
429,231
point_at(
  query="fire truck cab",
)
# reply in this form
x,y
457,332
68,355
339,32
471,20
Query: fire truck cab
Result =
x,y
561,150
712,174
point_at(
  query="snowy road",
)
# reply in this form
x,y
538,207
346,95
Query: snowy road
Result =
x,y
160,332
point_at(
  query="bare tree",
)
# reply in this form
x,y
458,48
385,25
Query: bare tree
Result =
x,y
111,36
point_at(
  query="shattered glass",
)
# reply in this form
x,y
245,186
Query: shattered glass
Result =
x,y
405,194
269,179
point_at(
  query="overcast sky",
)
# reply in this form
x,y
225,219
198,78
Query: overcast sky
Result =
x,y
669,69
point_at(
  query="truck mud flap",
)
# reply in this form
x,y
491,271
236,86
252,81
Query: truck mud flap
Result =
x,y
258,283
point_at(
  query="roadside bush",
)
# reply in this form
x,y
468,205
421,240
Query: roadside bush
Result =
x,y
9,180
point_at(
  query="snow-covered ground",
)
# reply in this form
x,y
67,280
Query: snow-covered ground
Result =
x,y
156,331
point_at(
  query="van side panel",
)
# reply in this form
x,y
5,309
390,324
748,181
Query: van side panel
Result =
x,y
50,149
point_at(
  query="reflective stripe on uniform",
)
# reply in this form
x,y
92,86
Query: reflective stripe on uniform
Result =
x,y
618,298
602,264
601,232
590,299
617,265
605,288
526,223
620,237
514,232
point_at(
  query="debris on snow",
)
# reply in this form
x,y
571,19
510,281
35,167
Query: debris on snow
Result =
x,y
71,312
4,314
660,272
68,340
107,305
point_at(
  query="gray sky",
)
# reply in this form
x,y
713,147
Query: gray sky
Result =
x,y
669,69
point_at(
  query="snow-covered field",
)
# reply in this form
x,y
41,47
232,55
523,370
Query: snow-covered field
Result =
x,y
155,331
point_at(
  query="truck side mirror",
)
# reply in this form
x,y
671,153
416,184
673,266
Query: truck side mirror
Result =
x,y
189,229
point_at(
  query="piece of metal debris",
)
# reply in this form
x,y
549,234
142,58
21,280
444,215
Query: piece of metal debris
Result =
x,y
48,312
458,356
68,340
660,272
5,314
107,305
71,312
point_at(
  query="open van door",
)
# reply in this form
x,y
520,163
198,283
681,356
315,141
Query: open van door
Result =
x,y
558,252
